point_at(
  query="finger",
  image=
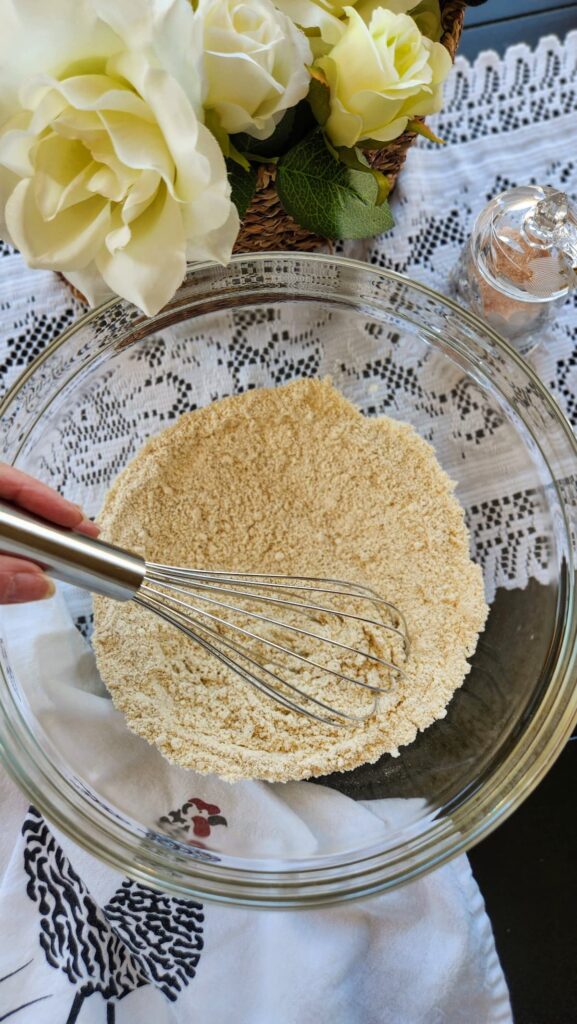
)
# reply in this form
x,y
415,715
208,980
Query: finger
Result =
x,y
88,528
28,583
37,498
13,564
41,500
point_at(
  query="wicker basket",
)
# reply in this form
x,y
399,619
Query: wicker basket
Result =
x,y
266,226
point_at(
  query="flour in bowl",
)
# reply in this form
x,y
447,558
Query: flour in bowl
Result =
x,y
292,480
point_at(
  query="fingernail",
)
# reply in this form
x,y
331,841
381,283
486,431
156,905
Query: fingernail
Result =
x,y
89,528
50,589
28,586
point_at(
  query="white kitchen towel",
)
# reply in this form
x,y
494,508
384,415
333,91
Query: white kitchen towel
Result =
x,y
79,944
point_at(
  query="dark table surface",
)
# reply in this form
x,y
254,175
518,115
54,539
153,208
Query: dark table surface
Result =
x,y
527,872
497,24
527,869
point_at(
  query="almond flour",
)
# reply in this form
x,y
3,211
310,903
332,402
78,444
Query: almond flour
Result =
x,y
290,480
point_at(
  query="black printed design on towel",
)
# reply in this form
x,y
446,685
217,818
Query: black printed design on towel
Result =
x,y
139,938
169,928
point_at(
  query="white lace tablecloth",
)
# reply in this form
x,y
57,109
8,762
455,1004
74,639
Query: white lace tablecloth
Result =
x,y
506,122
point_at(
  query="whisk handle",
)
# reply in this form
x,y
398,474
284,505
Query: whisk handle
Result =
x,y
87,563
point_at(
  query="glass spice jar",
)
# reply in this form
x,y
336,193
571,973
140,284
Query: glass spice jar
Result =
x,y
520,262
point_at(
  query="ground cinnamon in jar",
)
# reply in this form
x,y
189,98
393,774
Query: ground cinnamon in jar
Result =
x,y
531,270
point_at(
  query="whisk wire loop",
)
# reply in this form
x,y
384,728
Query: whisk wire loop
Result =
x,y
207,607
336,715
274,622
172,574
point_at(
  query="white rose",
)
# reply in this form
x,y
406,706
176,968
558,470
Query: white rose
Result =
x,y
106,172
322,16
255,62
381,75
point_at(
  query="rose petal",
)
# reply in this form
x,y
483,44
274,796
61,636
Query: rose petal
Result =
x,y
61,170
15,146
119,236
90,283
344,126
359,63
391,131
180,127
102,181
312,15
87,126
168,28
375,111
150,268
139,144
68,242
140,195
46,37
132,20
211,207
218,243
97,92
8,182
250,85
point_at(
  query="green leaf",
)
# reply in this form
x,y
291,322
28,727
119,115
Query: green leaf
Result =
x,y
320,100
371,144
318,74
274,145
420,128
358,162
256,159
239,158
243,185
224,140
327,197
427,15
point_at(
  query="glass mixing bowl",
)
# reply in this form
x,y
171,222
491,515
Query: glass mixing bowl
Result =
x,y
88,403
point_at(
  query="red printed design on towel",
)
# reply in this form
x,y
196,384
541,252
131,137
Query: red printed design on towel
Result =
x,y
208,816
193,821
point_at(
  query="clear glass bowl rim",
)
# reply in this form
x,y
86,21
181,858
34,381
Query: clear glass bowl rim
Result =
x,y
307,884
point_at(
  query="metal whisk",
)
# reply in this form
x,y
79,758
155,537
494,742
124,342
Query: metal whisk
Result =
x,y
237,617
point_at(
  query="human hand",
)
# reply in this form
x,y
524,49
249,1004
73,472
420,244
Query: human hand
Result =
x,y
21,580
